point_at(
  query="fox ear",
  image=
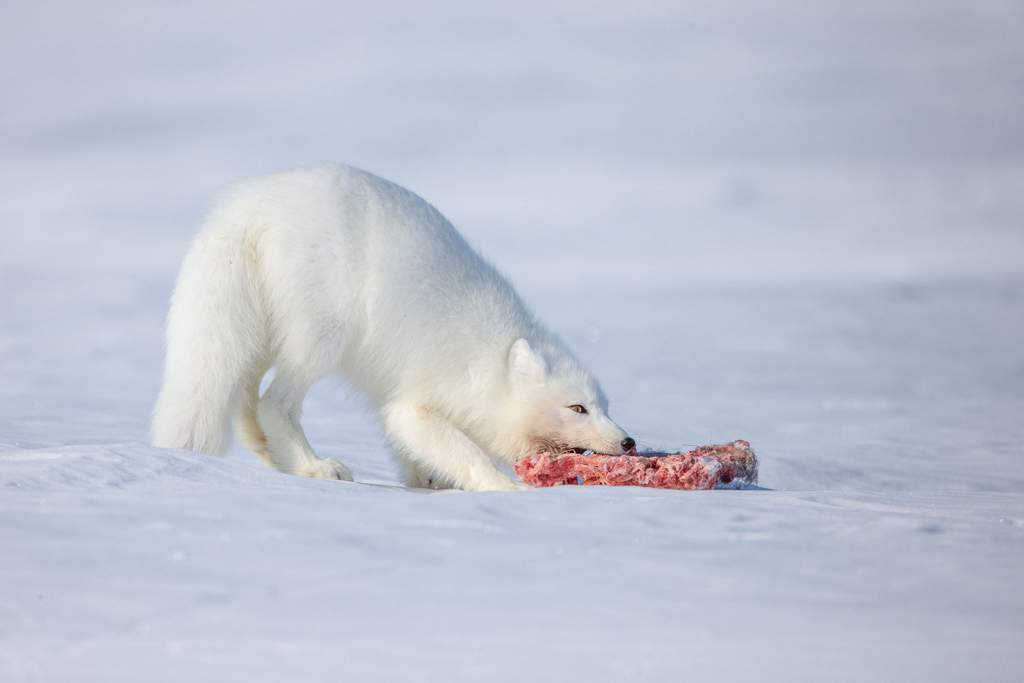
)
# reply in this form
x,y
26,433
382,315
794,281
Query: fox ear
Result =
x,y
524,362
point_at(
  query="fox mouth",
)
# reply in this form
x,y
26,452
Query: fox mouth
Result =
x,y
558,448
561,449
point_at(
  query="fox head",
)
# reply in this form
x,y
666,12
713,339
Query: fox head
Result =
x,y
556,405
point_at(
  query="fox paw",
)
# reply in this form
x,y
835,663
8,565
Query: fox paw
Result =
x,y
327,468
495,484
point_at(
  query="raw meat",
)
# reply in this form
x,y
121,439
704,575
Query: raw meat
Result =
x,y
707,467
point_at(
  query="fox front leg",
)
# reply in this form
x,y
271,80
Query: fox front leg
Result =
x,y
436,445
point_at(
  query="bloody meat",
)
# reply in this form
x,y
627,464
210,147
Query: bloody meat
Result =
x,y
707,467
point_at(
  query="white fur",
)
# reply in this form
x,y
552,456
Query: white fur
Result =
x,y
334,270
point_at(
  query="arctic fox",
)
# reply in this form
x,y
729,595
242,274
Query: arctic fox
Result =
x,y
336,271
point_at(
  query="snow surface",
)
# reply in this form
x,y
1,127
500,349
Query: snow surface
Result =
x,y
798,226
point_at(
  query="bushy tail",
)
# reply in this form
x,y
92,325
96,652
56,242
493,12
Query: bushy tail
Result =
x,y
216,335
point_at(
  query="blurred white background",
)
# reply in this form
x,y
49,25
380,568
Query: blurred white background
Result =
x,y
727,142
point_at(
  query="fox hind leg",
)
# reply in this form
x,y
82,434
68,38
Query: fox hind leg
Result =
x,y
247,424
278,413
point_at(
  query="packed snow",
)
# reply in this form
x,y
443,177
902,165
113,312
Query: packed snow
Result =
x,y
800,227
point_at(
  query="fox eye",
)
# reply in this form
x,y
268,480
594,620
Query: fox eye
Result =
x,y
577,408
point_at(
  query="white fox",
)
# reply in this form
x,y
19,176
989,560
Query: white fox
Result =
x,y
334,270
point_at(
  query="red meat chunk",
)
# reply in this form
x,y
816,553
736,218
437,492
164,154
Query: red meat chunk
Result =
x,y
708,467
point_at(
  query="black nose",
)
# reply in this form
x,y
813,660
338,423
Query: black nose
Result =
x,y
628,444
